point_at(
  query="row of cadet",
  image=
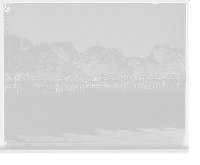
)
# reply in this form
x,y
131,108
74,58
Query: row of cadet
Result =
x,y
124,85
51,86
152,84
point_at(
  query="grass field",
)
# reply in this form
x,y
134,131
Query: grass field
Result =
x,y
148,118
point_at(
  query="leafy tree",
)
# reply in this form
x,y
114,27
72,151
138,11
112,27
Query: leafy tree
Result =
x,y
137,63
116,60
161,54
169,60
80,63
66,53
16,54
103,60
46,60
92,58
62,58
151,65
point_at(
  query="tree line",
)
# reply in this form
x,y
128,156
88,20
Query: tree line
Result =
x,y
21,55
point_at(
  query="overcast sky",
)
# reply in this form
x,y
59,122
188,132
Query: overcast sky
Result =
x,y
131,28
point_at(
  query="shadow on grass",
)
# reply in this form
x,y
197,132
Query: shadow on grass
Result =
x,y
140,137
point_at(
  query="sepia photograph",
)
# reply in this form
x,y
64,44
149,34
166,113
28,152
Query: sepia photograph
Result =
x,y
95,76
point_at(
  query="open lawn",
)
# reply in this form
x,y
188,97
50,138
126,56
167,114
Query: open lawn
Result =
x,y
139,117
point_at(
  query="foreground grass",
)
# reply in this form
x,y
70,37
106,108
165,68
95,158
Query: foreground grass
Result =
x,y
71,119
141,137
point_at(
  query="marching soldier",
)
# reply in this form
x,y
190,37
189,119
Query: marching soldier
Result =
x,y
63,85
70,85
144,84
159,84
107,83
30,85
135,86
174,84
115,83
152,84
128,84
123,85
56,86
42,85
156,84
17,86
52,86
108,80
39,86
92,83
131,86
59,86
79,86
111,82
33,85
66,83
73,85
83,85
163,85
26,84
141,84
149,84
170,84
167,83
49,86
36,85
45,85
120,84
177,85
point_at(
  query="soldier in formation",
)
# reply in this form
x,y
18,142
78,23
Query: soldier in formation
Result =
x,y
157,83
52,85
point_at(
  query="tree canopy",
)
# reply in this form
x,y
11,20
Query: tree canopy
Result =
x,y
63,58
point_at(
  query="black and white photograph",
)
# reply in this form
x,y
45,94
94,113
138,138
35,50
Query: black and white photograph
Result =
x,y
95,76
